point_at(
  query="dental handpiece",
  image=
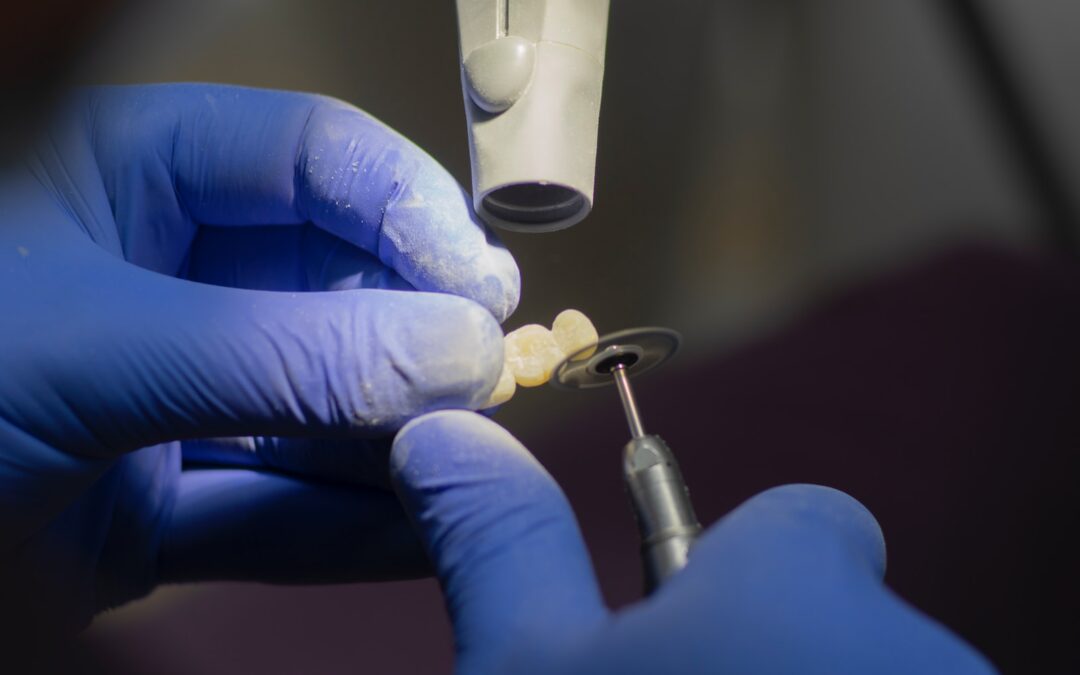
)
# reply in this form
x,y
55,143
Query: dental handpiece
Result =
x,y
658,494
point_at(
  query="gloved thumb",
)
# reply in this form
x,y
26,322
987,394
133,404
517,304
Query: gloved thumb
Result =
x,y
791,581
501,535
163,359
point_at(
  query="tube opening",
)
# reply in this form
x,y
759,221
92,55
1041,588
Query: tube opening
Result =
x,y
535,204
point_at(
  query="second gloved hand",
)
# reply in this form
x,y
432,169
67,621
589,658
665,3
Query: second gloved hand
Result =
x,y
790,582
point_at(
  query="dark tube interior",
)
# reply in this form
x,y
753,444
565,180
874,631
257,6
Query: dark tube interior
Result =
x,y
534,203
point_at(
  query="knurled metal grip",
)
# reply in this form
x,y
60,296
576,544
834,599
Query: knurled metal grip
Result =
x,y
531,73
661,503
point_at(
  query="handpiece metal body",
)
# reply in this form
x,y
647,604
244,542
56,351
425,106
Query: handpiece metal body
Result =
x,y
661,503
654,483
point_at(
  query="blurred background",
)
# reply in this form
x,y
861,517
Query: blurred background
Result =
x,y
823,197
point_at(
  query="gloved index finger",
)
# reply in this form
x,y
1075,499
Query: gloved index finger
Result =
x,y
239,156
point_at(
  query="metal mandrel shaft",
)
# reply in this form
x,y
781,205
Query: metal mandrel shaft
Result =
x,y
626,394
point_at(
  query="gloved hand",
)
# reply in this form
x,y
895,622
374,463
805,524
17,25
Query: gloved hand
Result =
x,y
789,582
152,255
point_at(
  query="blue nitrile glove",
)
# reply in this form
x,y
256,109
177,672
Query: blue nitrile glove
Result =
x,y
152,255
788,583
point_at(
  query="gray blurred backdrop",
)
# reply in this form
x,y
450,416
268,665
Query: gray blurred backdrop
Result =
x,y
755,156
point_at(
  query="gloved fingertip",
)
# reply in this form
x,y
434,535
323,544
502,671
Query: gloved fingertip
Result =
x,y
503,283
459,437
827,514
492,411
456,353
434,214
500,290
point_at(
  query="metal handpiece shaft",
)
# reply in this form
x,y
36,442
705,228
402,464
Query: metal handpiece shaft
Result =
x,y
662,508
